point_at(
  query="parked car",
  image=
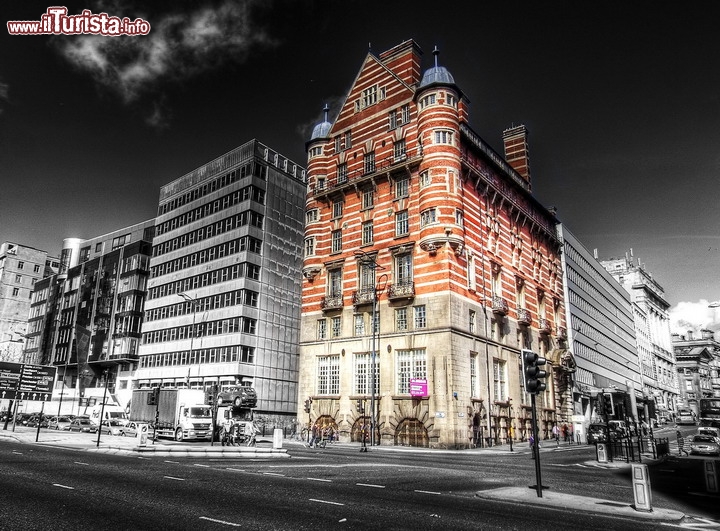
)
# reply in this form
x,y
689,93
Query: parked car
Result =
x,y
130,429
82,424
113,427
238,396
59,423
704,445
40,419
22,418
710,431
597,432
685,416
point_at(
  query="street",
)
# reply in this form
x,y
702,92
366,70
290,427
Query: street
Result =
x,y
390,488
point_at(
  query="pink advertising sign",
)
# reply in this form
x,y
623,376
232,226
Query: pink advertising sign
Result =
x,y
418,387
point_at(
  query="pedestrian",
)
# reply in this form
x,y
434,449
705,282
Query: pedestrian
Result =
x,y
531,440
313,440
570,433
681,443
556,434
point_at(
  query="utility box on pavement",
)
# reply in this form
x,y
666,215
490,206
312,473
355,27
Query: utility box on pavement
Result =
x,y
602,453
641,488
142,434
277,438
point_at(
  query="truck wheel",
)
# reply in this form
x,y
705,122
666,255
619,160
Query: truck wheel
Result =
x,y
179,434
237,401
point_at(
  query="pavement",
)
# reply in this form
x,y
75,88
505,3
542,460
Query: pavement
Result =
x,y
130,445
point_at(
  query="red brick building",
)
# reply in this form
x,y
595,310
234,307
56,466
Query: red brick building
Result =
x,y
410,213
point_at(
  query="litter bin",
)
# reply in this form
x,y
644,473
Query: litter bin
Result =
x,y
662,447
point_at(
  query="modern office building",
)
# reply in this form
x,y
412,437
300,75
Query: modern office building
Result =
x,y
86,319
20,268
601,334
652,325
428,266
223,304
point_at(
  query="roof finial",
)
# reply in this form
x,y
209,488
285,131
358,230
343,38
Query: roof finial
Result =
x,y
326,109
436,52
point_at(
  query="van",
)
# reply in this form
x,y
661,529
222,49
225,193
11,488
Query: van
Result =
x,y
685,416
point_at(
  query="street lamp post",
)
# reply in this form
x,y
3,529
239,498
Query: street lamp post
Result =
x,y
102,407
371,261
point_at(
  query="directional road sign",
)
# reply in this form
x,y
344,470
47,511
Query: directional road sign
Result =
x,y
26,382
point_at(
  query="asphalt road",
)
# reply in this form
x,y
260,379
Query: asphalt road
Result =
x,y
44,487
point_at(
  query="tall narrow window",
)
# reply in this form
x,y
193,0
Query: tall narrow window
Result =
x,y
402,187
368,198
500,380
322,329
337,209
401,223
403,269
309,246
342,173
401,323
367,232
336,330
471,277
334,288
474,379
369,162
399,150
336,241
359,324
420,316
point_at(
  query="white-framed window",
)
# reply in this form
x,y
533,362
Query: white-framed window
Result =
x,y
402,187
322,329
315,152
338,145
369,162
443,136
334,283
403,269
472,319
392,119
368,198
410,364
359,324
428,217
328,375
342,172
424,179
399,150
471,277
336,241
419,316
310,246
427,100
369,96
401,323
363,374
459,217
312,215
366,276
474,375
402,226
499,380
367,232
405,113
451,99
348,140
336,326
337,209
320,183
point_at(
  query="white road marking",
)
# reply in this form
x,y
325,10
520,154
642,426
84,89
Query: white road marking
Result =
x,y
171,477
204,466
273,474
233,524
320,479
173,462
427,492
80,463
63,486
325,501
370,485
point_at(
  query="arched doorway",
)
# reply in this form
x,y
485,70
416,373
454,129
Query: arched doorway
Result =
x,y
357,430
411,432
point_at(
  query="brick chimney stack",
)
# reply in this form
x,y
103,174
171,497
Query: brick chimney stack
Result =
x,y
516,150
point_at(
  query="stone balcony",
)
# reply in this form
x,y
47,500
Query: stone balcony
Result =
x,y
333,302
364,296
403,290
524,317
545,326
499,306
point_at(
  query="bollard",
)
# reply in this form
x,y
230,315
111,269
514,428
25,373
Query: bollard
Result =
x,y
277,438
711,476
641,488
141,436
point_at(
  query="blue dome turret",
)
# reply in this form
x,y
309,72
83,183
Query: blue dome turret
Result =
x,y
436,74
322,130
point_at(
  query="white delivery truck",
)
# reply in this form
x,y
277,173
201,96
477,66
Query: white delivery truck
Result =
x,y
175,413
108,412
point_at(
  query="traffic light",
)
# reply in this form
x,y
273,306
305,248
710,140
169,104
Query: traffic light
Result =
x,y
531,364
360,407
608,405
308,402
600,404
153,396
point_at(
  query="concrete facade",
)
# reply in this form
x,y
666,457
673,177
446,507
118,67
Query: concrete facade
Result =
x,y
426,258
223,305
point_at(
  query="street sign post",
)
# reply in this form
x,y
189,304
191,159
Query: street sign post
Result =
x,y
22,381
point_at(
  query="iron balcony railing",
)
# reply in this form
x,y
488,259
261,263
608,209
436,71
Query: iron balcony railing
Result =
x,y
499,305
364,296
332,302
401,290
524,316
